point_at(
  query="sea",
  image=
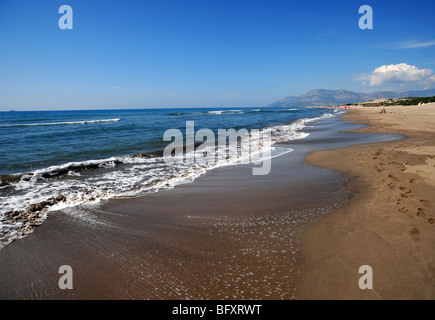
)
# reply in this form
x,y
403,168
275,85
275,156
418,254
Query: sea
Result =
x,y
50,160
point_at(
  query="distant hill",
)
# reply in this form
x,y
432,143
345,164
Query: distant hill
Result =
x,y
322,97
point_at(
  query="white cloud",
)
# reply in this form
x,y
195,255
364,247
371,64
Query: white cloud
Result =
x,y
397,73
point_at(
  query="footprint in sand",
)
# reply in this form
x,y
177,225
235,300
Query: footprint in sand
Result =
x,y
415,234
377,154
427,203
393,178
404,166
406,190
421,212
403,210
406,195
379,168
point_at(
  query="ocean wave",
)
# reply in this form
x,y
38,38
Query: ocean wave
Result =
x,y
27,198
293,131
219,112
59,123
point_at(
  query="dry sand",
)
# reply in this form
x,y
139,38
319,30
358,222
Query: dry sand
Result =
x,y
390,225
231,235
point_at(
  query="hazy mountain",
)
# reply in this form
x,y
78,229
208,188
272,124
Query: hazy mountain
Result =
x,y
322,97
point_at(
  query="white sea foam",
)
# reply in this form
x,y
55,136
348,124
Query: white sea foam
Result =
x,y
215,112
292,131
127,176
60,123
218,112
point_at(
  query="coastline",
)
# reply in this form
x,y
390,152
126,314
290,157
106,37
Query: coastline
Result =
x,y
389,225
227,235
216,158
66,179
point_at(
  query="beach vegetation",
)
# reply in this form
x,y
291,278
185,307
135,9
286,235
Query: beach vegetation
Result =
x,y
410,101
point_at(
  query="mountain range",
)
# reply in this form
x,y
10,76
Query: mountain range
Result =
x,y
322,97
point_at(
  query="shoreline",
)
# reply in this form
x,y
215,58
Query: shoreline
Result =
x,y
26,198
227,235
389,225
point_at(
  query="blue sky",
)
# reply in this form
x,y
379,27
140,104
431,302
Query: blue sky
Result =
x,y
206,53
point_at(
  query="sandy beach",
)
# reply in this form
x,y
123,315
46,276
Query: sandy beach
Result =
x,y
179,152
227,235
390,223
300,232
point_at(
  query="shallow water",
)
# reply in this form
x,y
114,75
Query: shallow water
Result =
x,y
52,160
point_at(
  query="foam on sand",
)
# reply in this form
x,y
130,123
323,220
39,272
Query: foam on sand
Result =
x,y
25,199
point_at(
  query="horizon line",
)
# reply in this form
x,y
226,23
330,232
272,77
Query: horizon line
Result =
x,y
162,108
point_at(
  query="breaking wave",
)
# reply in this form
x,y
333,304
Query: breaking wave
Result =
x,y
26,198
59,123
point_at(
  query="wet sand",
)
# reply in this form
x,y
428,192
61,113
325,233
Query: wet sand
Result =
x,y
390,225
228,235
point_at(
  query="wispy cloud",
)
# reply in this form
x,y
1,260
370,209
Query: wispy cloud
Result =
x,y
410,45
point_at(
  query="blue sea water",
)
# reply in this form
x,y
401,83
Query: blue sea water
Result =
x,y
35,140
54,159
